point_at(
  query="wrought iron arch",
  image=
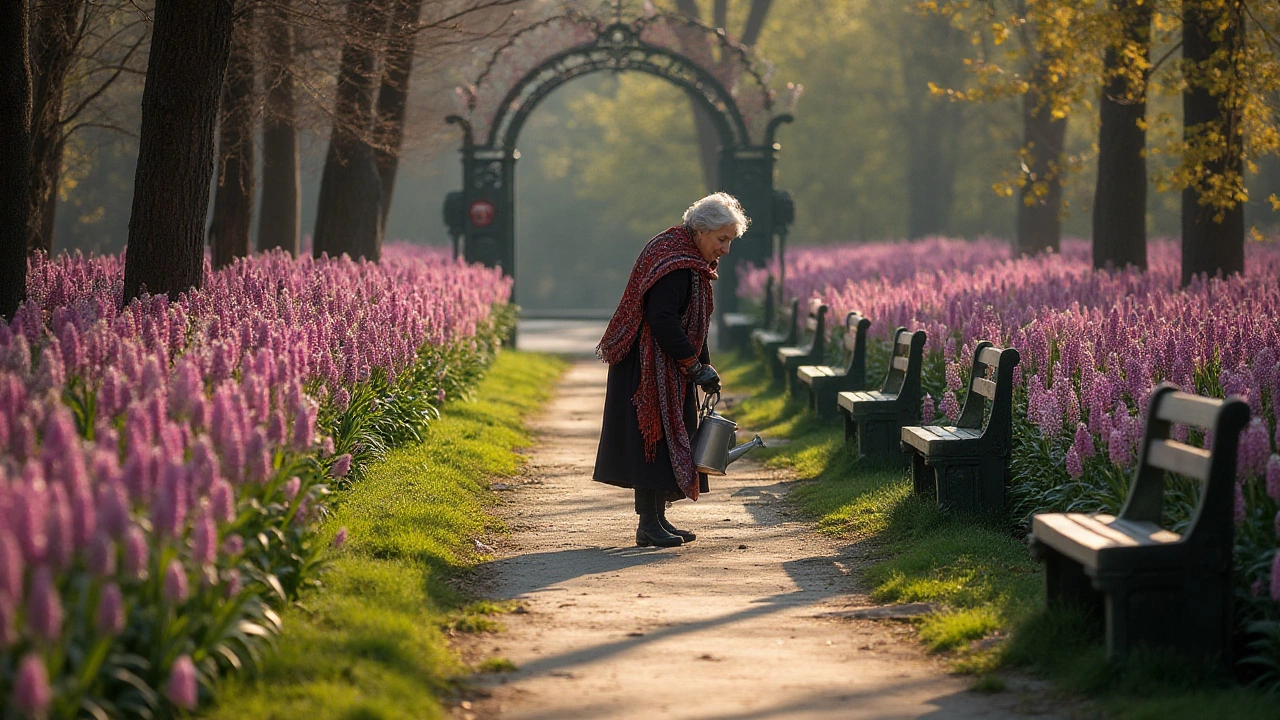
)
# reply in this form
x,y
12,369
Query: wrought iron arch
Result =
x,y
735,90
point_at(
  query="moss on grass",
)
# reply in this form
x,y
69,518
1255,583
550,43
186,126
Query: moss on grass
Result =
x,y
976,569
372,643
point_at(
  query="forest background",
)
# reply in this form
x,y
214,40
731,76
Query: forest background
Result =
x,y
612,159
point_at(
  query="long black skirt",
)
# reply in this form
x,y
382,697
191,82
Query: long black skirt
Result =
x,y
620,457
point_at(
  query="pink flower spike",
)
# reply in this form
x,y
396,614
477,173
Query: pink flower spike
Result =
x,y
102,556
1273,477
1240,512
11,565
340,537
109,619
204,540
44,606
233,545
1074,468
291,487
1275,577
341,465
8,633
31,693
175,583
183,687
135,553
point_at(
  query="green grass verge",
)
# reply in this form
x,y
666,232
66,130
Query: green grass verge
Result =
x,y
371,643
976,570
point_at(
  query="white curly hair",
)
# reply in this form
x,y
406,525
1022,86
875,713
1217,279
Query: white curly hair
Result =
x,y
715,211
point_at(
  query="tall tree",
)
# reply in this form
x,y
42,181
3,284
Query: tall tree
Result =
x,y
932,55
190,43
57,34
232,220
15,153
280,212
1120,197
349,216
708,137
1212,203
1044,136
393,95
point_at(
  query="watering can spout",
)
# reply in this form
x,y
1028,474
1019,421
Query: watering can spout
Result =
x,y
741,450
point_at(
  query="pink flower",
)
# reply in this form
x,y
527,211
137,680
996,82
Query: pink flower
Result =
x,y
1251,454
1082,443
183,687
1118,449
304,425
222,502
175,583
109,619
31,693
44,606
1240,512
233,545
340,537
135,553
204,540
1074,468
8,612
1275,577
927,410
291,487
11,565
341,465
949,406
1273,477
102,556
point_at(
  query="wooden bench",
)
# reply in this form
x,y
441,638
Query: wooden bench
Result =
x,y
965,466
875,418
825,382
1153,586
787,333
736,327
790,358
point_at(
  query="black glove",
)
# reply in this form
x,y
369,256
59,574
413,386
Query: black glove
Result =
x,y
705,377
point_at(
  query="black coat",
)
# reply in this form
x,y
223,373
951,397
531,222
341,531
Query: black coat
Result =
x,y
620,458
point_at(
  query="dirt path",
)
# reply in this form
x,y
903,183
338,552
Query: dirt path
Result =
x,y
733,625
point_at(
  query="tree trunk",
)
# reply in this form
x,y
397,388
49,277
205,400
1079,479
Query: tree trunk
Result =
x,y
280,215
709,139
55,38
393,96
1039,227
1120,196
1212,234
232,220
933,123
190,43
15,154
349,216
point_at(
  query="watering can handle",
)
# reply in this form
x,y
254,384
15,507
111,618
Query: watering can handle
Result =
x,y
708,404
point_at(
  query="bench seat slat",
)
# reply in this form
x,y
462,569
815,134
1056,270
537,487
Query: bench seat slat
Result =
x,y
1188,409
848,399
807,373
938,440
1179,458
787,352
985,388
1101,543
738,319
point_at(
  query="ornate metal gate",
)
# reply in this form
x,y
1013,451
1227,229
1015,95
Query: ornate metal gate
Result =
x,y
725,78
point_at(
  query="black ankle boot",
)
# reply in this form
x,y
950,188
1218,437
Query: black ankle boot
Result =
x,y
650,530
684,535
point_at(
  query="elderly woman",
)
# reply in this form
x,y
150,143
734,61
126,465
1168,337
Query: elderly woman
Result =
x,y
656,347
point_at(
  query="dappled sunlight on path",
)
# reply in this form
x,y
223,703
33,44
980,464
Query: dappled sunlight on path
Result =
x,y
729,627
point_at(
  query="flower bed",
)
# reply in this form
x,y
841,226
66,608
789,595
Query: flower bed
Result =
x,y
163,466
1093,346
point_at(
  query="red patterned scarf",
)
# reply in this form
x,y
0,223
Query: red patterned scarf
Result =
x,y
659,401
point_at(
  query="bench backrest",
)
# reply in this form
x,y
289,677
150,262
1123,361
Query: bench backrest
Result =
x,y
905,360
1215,467
815,326
855,344
990,379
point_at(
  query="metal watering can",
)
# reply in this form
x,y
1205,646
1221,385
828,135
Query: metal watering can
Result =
x,y
713,443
